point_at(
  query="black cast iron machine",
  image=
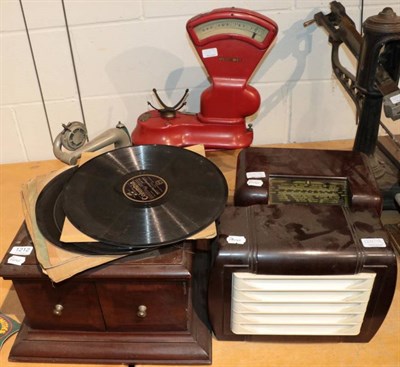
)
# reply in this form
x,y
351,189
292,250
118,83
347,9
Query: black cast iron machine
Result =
x,y
375,84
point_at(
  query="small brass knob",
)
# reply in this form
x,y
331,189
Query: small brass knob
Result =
x,y
58,309
142,311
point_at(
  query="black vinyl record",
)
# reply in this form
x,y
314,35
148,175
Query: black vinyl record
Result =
x,y
50,219
145,195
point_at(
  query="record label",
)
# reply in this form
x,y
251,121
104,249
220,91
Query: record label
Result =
x,y
145,188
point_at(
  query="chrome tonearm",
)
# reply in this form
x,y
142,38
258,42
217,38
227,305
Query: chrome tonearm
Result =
x,y
74,140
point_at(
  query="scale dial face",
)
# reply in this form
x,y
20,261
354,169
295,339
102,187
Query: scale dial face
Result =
x,y
234,24
231,26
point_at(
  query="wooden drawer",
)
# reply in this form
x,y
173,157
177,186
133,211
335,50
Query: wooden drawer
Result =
x,y
64,306
144,305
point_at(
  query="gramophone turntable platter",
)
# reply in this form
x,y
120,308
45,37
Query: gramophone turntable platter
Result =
x,y
144,196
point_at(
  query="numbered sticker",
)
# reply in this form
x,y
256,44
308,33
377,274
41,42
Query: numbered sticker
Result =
x,y
16,260
256,183
209,52
21,250
258,174
395,99
373,242
236,240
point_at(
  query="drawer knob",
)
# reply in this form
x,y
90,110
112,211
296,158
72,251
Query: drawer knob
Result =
x,y
142,311
58,309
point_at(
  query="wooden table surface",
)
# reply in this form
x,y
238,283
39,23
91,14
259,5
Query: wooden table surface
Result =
x,y
382,351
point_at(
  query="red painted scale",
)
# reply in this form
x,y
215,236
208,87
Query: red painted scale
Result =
x,y
231,42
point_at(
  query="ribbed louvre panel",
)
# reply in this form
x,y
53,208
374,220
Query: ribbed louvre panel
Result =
x,y
299,305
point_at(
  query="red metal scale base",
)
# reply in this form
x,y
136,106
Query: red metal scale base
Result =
x,y
186,129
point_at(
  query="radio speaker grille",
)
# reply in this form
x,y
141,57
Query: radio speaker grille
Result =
x,y
299,305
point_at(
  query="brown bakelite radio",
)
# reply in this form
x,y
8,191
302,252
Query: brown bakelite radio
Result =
x,y
302,256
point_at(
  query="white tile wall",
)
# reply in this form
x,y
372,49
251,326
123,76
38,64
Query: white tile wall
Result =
x,y
123,49
33,131
12,147
18,82
299,53
10,16
169,8
116,59
102,11
321,3
271,122
53,61
321,110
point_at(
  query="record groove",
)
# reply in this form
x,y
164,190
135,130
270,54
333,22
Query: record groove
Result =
x,y
50,218
145,195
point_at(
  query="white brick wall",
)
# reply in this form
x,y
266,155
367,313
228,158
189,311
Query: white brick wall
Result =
x,y
125,48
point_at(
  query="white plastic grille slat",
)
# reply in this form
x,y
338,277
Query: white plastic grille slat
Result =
x,y
300,319
299,305
301,308
303,284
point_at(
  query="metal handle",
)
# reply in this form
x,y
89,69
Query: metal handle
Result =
x,y
142,311
119,136
58,309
